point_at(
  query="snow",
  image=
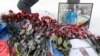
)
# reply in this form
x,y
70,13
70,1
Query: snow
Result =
x,y
77,44
50,7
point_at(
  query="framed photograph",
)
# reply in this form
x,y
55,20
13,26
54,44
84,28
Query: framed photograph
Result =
x,y
77,14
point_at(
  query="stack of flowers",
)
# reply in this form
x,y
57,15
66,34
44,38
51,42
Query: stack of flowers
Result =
x,y
27,31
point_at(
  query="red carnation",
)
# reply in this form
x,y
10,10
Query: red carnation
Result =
x,y
24,12
10,11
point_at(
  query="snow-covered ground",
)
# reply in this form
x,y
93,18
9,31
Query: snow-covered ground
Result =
x,y
78,44
50,7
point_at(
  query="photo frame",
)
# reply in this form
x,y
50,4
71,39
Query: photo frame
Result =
x,y
77,14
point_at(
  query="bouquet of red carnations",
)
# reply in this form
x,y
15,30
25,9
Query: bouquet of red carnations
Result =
x,y
29,35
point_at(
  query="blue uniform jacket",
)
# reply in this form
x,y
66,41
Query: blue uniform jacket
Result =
x,y
70,17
